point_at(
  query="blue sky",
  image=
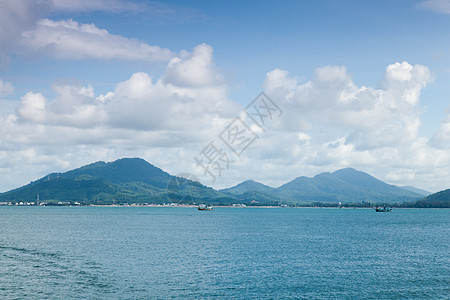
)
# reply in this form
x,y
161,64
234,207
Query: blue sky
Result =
x,y
363,84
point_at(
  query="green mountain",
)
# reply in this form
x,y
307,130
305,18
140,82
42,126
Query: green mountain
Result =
x,y
121,181
253,192
249,186
122,171
345,185
440,199
134,180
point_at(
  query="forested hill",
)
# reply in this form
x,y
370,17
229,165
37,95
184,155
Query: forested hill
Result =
x,y
440,199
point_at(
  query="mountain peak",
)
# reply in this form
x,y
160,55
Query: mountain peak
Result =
x,y
248,186
346,185
131,160
357,178
347,171
122,171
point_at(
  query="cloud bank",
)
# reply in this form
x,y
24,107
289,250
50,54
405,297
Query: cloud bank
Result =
x,y
329,122
188,97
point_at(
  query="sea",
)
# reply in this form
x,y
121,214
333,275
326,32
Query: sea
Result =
x,y
227,253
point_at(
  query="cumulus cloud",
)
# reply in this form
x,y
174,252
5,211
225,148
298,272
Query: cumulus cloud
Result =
x,y
369,117
193,69
33,107
140,103
73,106
440,6
330,122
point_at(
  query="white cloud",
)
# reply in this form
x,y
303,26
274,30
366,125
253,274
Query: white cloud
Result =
x,y
329,123
330,103
140,103
73,106
71,40
6,88
403,83
33,107
193,69
23,28
440,6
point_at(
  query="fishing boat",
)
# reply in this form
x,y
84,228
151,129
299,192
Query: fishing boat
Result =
x,y
383,209
205,207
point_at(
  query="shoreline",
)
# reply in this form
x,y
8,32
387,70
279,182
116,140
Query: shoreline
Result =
x,y
230,206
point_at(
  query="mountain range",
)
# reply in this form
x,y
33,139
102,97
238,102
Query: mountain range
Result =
x,y
345,185
134,180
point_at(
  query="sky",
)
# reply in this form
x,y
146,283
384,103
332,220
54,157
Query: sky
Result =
x,y
227,90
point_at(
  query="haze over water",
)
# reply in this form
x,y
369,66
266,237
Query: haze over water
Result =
x,y
256,253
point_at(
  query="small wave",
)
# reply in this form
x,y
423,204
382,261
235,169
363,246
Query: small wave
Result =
x,y
34,274
28,251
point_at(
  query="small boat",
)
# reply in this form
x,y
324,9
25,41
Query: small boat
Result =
x,y
204,207
383,209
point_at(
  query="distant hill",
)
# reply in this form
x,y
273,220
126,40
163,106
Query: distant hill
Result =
x,y
440,199
416,190
253,192
134,180
248,186
345,185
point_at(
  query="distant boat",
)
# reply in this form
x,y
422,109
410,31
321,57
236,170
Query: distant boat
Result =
x,y
383,209
205,207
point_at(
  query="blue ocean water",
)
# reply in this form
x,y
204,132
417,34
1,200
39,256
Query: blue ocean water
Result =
x,y
228,253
